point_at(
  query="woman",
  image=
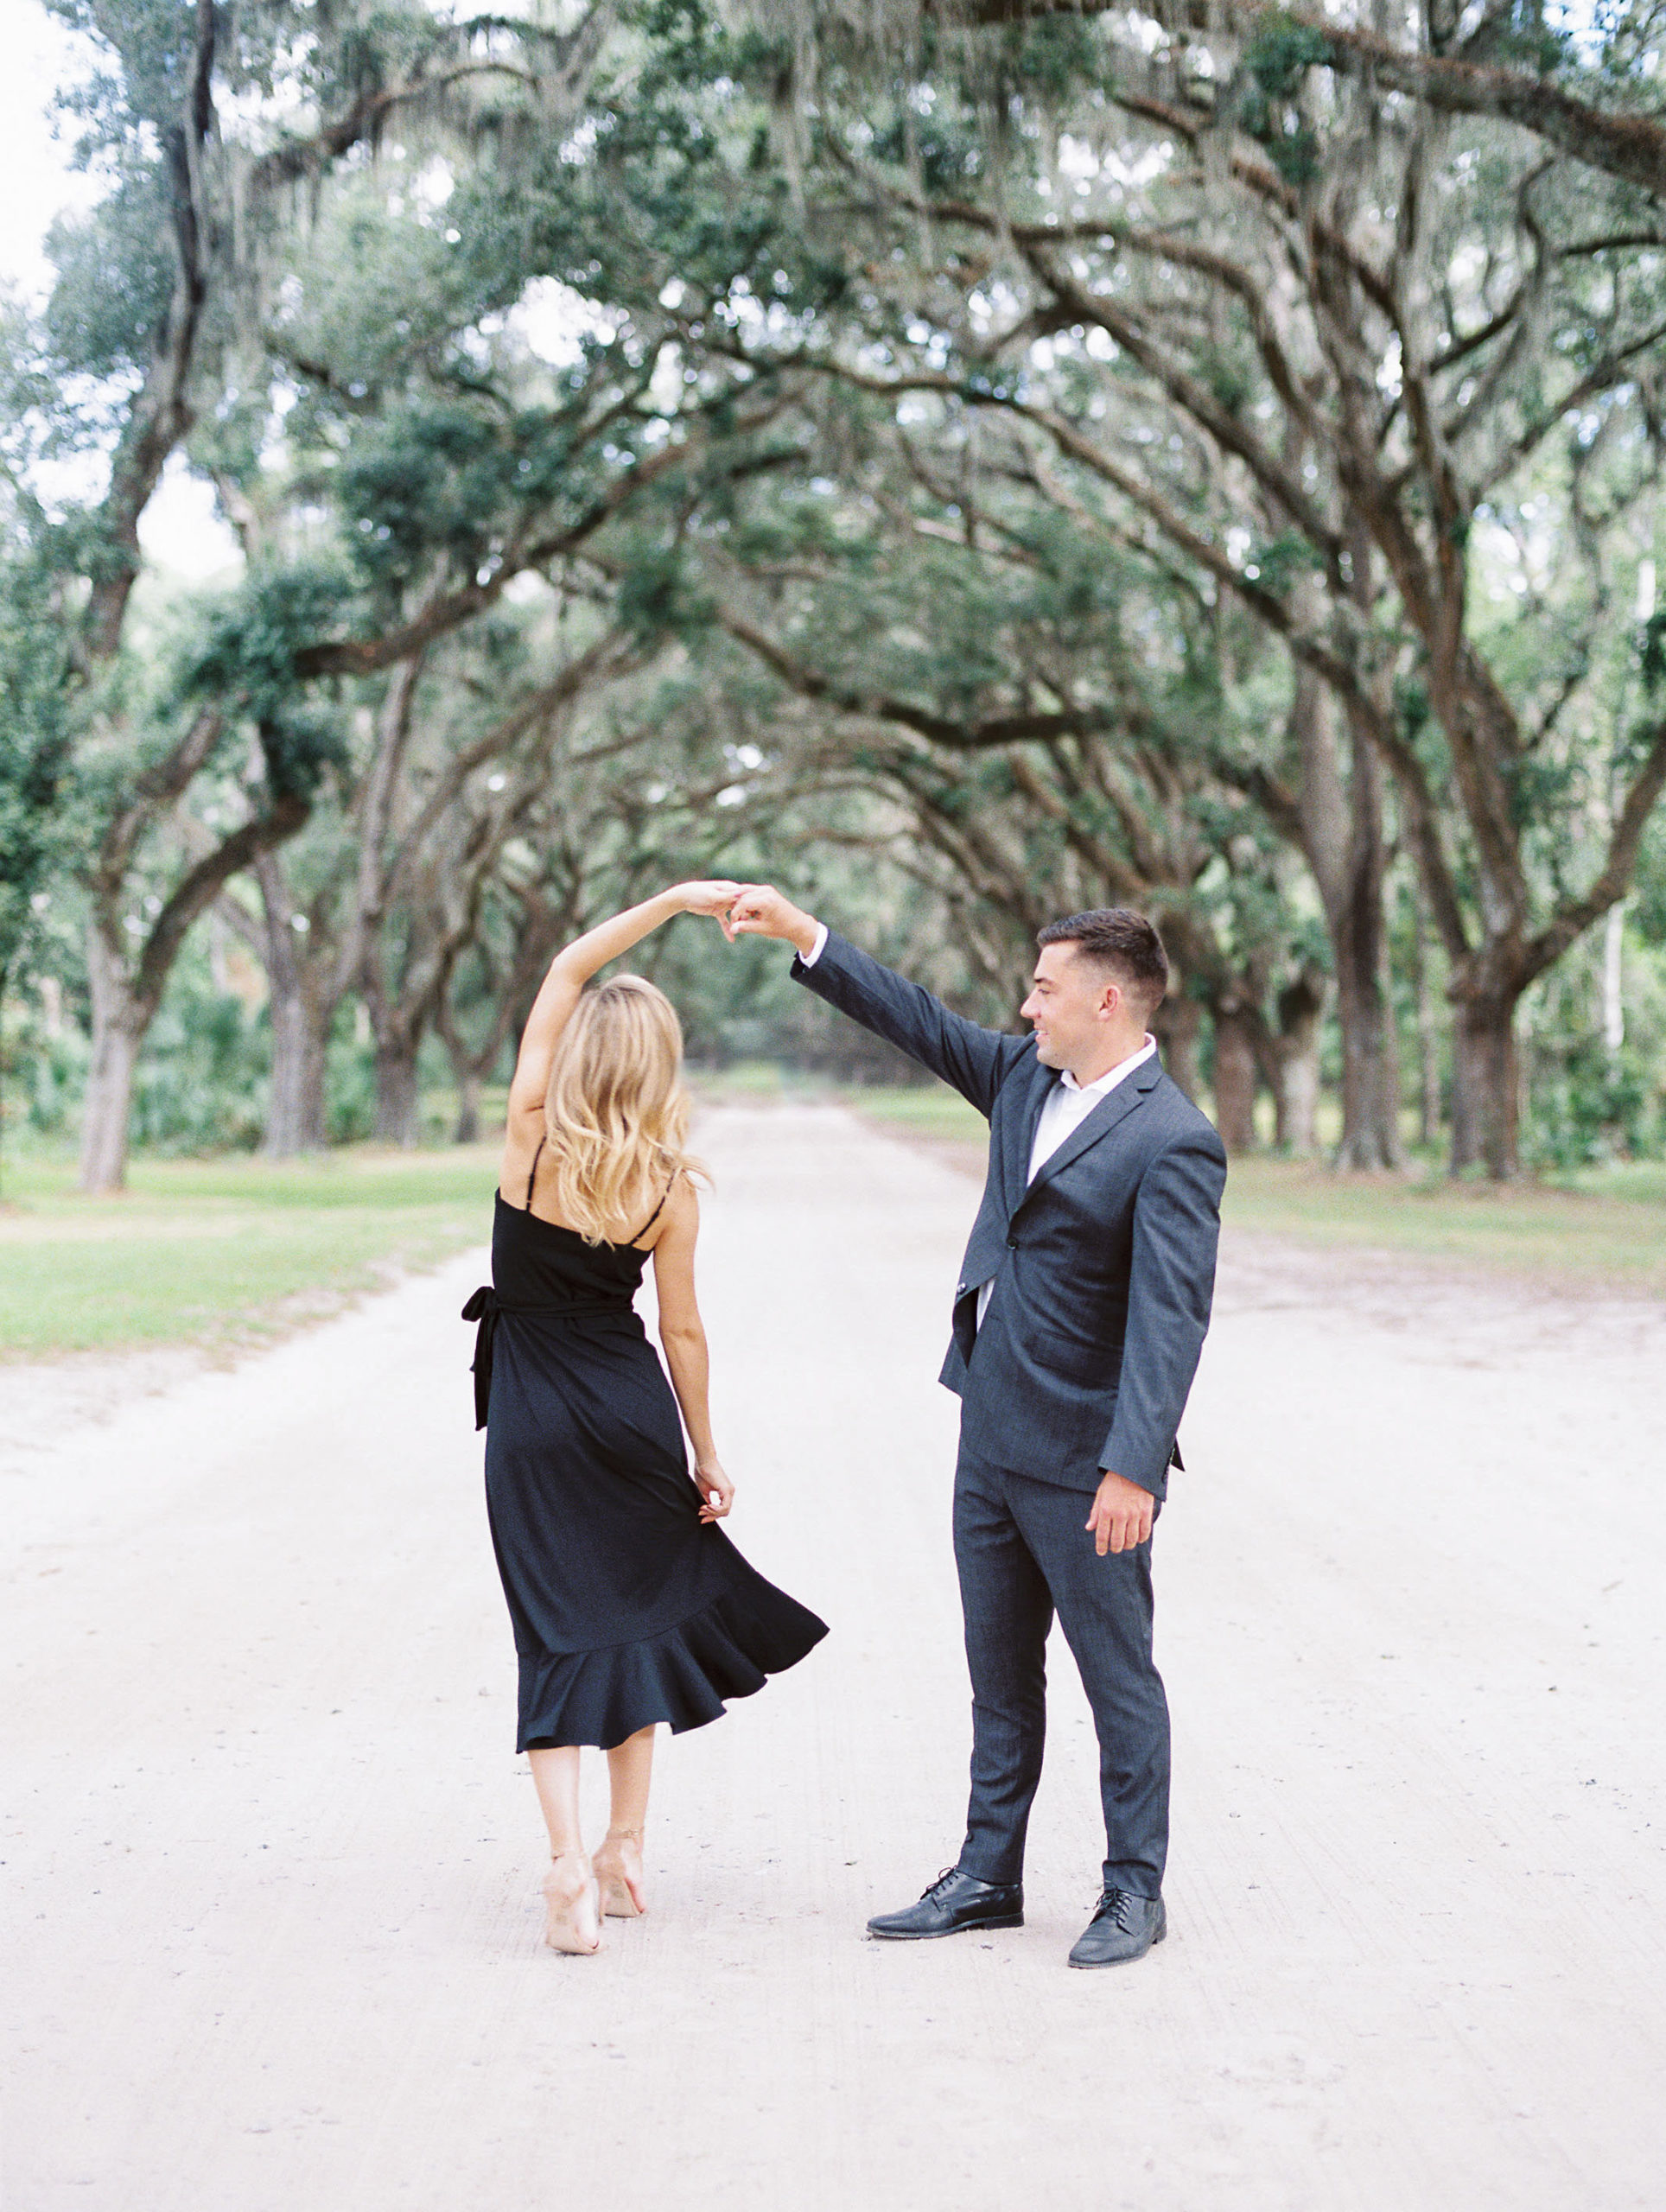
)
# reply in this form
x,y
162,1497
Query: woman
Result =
x,y
630,1606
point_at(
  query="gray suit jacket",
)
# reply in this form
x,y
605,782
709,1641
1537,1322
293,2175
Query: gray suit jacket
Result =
x,y
1104,1266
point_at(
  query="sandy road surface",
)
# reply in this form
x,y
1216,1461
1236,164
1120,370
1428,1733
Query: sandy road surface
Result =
x,y
270,1866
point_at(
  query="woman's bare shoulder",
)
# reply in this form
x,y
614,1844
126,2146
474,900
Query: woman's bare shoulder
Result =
x,y
680,1215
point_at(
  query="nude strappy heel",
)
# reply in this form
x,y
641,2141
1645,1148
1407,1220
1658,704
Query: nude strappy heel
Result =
x,y
620,1882
574,1924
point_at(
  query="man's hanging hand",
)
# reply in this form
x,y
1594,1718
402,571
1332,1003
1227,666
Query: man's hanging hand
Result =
x,y
1122,1515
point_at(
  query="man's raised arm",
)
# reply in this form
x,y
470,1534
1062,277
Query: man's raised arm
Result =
x,y
975,1061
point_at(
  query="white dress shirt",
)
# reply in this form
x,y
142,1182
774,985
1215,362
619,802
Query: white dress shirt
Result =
x,y
1065,1107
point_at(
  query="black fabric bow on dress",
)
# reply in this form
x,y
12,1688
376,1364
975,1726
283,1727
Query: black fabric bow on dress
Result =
x,y
483,1308
487,1309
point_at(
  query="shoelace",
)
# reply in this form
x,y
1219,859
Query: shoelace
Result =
x,y
932,1888
1117,1905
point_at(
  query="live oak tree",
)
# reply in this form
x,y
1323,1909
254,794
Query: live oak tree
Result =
x,y
1044,715
216,128
1329,326
1352,365
394,473
750,279
1330,345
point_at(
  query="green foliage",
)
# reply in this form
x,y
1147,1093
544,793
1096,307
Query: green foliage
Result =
x,y
202,1081
1652,652
36,823
1278,564
247,664
1276,58
464,352
430,476
657,595
116,274
1584,1108
1282,50
1649,897
1054,59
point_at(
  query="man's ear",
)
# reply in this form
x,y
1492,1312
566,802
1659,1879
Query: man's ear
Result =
x,y
1110,1001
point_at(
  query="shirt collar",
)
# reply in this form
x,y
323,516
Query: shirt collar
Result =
x,y
1107,1082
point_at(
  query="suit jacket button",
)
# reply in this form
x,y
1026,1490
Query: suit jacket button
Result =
x,y
1011,1243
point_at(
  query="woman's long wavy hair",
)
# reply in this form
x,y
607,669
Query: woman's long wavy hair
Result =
x,y
615,1114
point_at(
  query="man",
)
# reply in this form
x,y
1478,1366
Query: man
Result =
x,y
1079,1316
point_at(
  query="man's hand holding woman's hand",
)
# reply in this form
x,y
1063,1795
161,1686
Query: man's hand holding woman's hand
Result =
x,y
759,910
746,910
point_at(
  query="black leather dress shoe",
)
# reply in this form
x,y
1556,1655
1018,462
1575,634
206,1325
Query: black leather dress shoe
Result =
x,y
1123,1928
953,1902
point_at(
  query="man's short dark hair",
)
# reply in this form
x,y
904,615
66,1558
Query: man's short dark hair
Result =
x,y
1122,942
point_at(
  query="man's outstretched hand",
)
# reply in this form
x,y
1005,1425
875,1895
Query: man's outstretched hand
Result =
x,y
760,910
1122,1515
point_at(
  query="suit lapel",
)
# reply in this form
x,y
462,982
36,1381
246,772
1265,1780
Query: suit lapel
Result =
x,y
1019,1136
1106,1115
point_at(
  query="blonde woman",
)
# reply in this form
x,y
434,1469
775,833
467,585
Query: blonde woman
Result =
x,y
630,1604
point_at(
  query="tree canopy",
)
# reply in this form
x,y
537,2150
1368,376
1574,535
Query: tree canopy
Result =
x,y
1023,456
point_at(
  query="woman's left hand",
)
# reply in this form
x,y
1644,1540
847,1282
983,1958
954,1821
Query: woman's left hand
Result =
x,y
716,1490
715,898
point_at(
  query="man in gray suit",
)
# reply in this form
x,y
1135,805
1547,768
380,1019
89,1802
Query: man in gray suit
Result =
x,y
1078,1318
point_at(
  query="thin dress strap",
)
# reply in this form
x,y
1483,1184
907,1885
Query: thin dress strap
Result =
x,y
657,1211
533,1177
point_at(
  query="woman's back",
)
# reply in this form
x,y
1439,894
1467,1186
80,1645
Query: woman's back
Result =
x,y
537,1262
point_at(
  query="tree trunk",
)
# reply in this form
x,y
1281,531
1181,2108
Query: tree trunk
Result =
x,y
1485,1097
397,1109
1428,1037
1371,1087
1296,1101
295,1110
1177,1024
1371,1058
118,1025
469,1107
1295,1055
1614,984
1236,1074
1336,820
468,1069
106,1107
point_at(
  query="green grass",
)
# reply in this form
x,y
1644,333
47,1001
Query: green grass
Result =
x,y
224,1252
746,1080
938,1113
1597,1227
1610,1230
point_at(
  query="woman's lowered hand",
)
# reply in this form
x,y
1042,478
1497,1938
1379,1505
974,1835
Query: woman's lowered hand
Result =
x,y
716,1490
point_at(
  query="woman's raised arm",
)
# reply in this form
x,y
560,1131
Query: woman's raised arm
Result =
x,y
573,967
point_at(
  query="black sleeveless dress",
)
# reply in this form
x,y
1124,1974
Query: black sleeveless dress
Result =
x,y
626,1608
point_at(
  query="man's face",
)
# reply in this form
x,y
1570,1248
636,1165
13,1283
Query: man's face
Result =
x,y
1070,1003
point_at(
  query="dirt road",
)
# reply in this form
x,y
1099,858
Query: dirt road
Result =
x,y
271,1867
